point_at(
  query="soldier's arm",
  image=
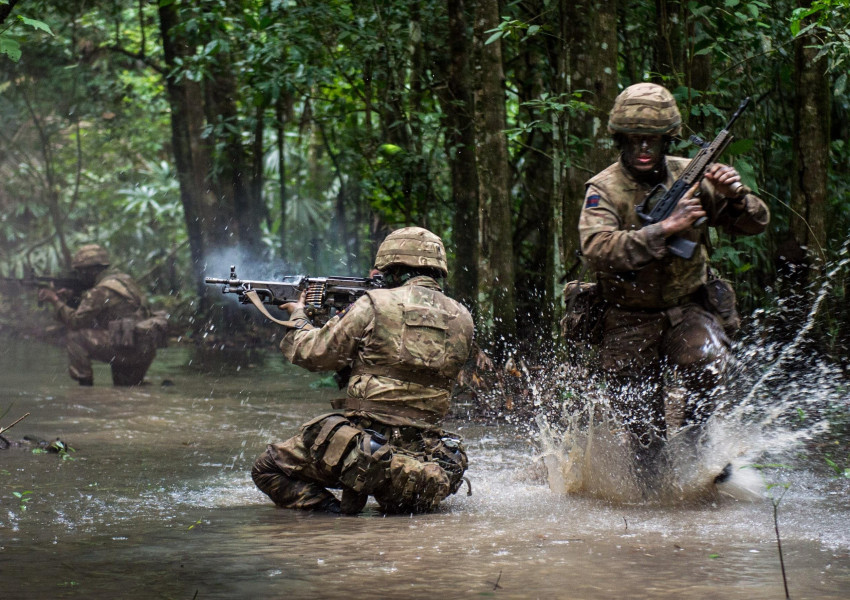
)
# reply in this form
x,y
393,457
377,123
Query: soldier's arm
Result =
x,y
610,248
85,316
736,215
332,347
747,215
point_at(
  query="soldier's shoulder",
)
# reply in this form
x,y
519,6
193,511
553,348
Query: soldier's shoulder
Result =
x,y
677,164
608,175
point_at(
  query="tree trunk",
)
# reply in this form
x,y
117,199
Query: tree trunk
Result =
x,y
456,100
184,98
590,31
811,146
494,180
231,175
280,122
535,232
668,61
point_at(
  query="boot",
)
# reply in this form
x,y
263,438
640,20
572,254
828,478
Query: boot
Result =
x,y
352,502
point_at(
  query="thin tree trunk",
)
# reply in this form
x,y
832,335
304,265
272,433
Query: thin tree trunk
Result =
x,y
456,99
494,179
281,112
811,146
668,62
590,31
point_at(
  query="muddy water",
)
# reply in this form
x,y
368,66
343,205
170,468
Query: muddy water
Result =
x,y
158,503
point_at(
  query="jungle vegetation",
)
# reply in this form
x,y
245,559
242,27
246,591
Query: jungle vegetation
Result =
x,y
291,135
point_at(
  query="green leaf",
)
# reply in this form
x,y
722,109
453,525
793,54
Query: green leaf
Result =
x,y
35,24
840,84
493,37
389,149
10,48
741,146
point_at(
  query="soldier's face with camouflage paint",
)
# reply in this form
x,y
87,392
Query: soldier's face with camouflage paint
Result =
x,y
88,275
642,153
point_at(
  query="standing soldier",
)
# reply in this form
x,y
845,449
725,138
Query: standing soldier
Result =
x,y
405,345
663,313
103,327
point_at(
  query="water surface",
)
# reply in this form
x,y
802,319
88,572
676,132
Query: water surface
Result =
x,y
158,503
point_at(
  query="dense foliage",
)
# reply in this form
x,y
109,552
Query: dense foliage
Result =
x,y
286,135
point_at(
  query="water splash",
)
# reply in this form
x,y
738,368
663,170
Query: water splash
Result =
x,y
774,402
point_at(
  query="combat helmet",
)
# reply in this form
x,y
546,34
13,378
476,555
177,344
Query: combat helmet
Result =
x,y
90,255
412,247
645,108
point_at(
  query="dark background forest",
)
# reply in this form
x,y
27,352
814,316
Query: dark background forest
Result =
x,y
290,136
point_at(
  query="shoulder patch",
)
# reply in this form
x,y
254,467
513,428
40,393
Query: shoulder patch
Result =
x,y
592,201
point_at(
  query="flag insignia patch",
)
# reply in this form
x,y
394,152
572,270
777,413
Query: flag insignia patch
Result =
x,y
592,201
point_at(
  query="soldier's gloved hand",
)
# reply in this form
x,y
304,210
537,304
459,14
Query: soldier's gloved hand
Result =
x,y
48,295
291,307
726,180
687,211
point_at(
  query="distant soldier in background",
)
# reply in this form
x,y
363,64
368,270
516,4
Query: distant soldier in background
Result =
x,y
104,326
404,346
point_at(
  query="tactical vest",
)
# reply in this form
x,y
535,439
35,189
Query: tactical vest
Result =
x,y
419,336
133,304
662,283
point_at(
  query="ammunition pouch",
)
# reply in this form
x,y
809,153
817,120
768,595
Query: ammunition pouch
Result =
x,y
415,486
366,468
122,333
582,322
720,300
153,330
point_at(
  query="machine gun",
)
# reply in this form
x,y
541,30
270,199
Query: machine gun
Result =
x,y
325,295
661,202
74,285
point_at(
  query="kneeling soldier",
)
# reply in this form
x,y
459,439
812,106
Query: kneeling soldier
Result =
x,y
404,346
104,325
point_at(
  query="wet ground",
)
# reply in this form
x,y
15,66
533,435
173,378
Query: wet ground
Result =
x,y
158,503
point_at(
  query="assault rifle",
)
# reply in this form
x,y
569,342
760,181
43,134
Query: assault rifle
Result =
x,y
661,202
74,285
325,295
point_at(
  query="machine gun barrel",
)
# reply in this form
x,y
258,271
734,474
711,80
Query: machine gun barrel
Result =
x,y
324,295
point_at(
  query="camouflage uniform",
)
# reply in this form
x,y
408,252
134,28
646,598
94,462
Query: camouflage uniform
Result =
x,y
114,302
657,318
405,347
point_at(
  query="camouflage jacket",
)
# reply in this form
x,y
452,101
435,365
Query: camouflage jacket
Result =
x,y
405,346
114,296
631,262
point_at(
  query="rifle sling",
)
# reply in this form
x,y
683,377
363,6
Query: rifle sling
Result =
x,y
255,300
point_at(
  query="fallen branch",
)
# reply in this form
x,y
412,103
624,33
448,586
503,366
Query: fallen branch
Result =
x,y
4,429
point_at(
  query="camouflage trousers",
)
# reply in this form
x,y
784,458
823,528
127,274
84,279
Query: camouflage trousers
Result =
x,y
128,365
642,350
406,468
